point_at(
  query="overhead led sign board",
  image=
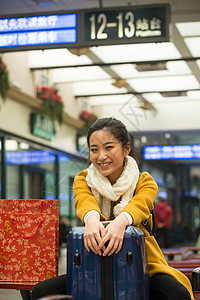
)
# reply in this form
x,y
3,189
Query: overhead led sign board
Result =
x,y
33,157
29,157
28,32
171,152
84,28
124,25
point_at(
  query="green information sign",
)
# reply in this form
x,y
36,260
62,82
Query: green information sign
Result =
x,y
42,126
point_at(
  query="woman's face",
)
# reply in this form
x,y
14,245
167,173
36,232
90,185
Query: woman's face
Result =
x,y
107,154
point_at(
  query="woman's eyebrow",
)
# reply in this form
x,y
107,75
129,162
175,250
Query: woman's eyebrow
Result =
x,y
107,143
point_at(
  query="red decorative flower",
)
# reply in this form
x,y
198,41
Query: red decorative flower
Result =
x,y
88,117
48,93
4,79
52,102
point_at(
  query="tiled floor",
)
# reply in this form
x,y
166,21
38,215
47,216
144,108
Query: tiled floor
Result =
x,y
10,295
15,295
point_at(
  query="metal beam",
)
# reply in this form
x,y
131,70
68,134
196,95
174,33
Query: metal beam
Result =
x,y
135,93
184,50
101,64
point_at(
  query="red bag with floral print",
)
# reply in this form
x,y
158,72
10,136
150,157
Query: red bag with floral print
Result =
x,y
28,239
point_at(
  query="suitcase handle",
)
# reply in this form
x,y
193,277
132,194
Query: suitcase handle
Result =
x,y
129,257
77,259
32,235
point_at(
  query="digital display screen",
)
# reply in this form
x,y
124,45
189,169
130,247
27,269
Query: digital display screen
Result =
x,y
171,152
33,157
38,23
85,28
38,30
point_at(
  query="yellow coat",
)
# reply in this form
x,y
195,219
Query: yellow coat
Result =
x,y
139,208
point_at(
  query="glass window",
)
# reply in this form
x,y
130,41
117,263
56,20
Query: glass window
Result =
x,y
30,171
69,167
12,179
31,174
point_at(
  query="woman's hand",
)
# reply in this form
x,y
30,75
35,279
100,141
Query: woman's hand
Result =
x,y
114,233
93,234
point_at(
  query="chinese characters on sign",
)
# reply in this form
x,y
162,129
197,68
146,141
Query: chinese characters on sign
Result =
x,y
84,28
122,25
171,152
38,30
148,28
29,23
37,38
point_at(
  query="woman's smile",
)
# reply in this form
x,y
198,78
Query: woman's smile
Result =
x,y
104,165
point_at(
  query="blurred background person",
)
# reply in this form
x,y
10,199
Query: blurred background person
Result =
x,y
64,229
163,220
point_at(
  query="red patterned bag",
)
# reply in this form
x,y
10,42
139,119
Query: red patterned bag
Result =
x,y
28,239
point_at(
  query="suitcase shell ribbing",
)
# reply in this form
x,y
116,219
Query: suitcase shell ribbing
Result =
x,y
122,276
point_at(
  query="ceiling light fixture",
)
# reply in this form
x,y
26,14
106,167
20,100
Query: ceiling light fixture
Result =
x,y
11,145
24,146
167,135
174,94
146,67
43,2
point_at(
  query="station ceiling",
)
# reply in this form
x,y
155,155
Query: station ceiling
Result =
x,y
115,74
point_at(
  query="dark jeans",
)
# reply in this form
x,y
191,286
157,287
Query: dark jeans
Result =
x,y
52,286
162,287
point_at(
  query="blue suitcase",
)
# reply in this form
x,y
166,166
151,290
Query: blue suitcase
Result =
x,y
122,276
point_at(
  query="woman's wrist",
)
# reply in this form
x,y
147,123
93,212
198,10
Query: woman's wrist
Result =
x,y
123,219
128,216
90,213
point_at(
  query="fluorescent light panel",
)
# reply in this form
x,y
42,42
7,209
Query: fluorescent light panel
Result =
x,y
96,87
110,100
157,97
79,74
173,68
164,84
154,97
194,94
11,145
137,52
193,45
57,57
189,29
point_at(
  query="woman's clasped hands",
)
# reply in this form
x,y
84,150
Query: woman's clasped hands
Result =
x,y
104,240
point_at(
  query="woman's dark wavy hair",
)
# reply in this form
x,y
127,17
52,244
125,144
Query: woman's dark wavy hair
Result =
x,y
117,128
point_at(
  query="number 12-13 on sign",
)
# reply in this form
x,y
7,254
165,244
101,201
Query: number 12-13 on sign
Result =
x,y
122,26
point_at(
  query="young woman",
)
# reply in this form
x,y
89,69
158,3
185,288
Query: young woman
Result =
x,y
112,188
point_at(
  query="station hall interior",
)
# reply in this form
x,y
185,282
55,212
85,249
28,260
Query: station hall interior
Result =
x,y
153,88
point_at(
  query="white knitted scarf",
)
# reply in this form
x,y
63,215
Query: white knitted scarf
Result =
x,y
105,192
